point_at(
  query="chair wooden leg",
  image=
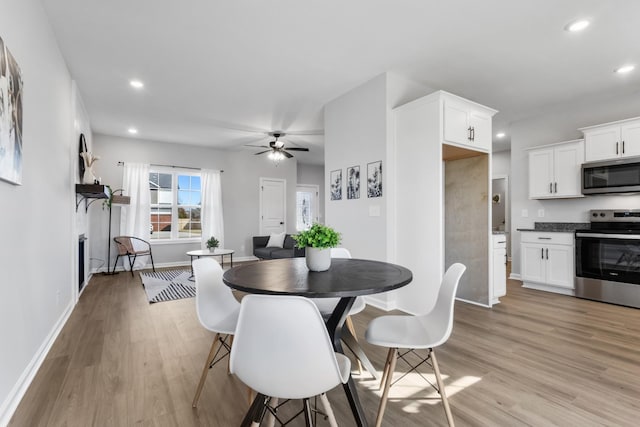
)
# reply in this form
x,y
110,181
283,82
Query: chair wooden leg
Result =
x,y
205,371
441,390
229,359
271,419
251,395
385,371
308,420
328,410
393,353
349,324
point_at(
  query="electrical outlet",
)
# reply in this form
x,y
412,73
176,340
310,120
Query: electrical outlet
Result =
x,y
525,213
540,213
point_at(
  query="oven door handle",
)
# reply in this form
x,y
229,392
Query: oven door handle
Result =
x,y
610,236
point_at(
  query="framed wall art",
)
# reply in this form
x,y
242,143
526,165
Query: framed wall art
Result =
x,y
10,117
335,184
353,182
374,179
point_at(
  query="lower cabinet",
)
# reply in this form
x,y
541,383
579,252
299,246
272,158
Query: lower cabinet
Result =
x,y
499,267
547,261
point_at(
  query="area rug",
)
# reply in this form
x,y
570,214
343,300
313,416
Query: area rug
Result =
x,y
168,285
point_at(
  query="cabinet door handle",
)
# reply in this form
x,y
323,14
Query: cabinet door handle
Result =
x,y
469,130
547,253
541,253
506,259
555,187
544,238
622,147
617,143
551,187
473,133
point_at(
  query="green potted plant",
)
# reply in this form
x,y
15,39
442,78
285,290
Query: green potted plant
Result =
x,y
318,241
212,244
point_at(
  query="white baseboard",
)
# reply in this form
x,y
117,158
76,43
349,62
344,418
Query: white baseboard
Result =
x,y
382,305
515,276
12,401
547,288
473,302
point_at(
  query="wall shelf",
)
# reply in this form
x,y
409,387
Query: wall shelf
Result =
x,y
90,191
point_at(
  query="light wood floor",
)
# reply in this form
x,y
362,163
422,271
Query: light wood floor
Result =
x,y
535,359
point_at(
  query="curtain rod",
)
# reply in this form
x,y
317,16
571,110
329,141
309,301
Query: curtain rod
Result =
x,y
170,166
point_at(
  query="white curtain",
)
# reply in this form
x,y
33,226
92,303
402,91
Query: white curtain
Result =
x,y
135,217
211,213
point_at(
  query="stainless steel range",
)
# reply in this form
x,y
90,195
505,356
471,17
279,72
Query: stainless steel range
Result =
x,y
608,258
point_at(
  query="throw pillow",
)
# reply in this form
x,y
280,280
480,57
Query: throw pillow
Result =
x,y
276,240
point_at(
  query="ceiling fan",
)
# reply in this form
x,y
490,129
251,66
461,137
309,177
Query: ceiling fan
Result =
x,y
276,149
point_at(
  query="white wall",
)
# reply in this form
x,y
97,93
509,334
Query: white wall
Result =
x,y
501,163
314,175
357,132
37,285
240,195
560,123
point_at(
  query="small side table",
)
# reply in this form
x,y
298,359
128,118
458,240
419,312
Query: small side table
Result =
x,y
218,252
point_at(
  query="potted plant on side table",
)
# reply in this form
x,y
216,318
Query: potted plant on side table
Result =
x,y
318,241
212,244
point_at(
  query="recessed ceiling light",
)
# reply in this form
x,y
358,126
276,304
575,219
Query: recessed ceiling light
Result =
x,y
576,26
500,135
136,84
132,131
624,69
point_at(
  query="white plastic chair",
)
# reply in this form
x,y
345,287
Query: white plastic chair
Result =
x,y
217,311
282,350
417,332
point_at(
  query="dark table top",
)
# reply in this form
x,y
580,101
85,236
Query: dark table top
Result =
x,y
346,278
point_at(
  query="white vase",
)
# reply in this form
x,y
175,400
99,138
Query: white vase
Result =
x,y
318,259
88,177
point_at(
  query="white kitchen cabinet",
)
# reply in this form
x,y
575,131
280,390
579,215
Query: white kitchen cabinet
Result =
x,y
612,140
554,170
466,123
499,267
547,261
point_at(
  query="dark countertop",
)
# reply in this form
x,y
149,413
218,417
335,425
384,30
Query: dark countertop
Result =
x,y
558,227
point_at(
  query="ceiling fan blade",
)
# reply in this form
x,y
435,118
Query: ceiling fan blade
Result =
x,y
257,146
262,152
306,132
287,155
297,149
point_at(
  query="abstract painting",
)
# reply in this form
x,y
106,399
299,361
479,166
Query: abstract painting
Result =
x,y
353,182
336,184
10,117
374,179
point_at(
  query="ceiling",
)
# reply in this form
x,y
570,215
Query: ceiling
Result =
x,y
223,73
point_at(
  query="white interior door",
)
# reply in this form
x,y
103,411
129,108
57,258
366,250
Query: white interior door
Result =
x,y
272,205
306,206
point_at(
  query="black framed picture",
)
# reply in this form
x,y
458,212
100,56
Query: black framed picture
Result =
x,y
353,182
10,117
335,184
374,179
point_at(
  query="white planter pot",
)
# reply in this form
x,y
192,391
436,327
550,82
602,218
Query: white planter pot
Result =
x,y
318,259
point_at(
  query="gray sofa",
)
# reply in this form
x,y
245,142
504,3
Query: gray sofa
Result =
x,y
288,250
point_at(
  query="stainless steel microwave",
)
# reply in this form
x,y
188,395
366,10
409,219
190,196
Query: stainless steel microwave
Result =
x,y
611,176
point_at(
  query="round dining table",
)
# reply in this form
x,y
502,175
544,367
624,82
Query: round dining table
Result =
x,y
347,278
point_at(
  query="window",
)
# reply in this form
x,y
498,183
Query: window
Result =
x,y
306,206
175,205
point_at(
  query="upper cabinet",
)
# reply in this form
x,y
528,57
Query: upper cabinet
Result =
x,y
554,170
466,123
612,140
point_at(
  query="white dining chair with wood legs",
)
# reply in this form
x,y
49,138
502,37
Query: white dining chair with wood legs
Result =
x,y
218,312
424,332
282,350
